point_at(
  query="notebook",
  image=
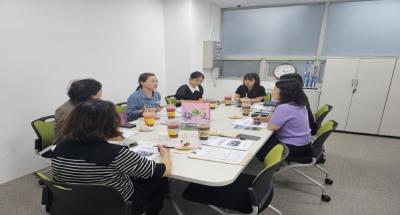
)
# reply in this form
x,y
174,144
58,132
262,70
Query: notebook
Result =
x,y
216,154
229,143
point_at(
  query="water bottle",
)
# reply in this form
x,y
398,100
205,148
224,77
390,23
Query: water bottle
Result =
x,y
306,75
314,79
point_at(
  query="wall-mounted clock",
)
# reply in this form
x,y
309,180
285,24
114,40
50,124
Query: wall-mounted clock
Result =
x,y
284,69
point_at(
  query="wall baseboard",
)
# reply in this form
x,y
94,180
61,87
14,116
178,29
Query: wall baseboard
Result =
x,y
365,134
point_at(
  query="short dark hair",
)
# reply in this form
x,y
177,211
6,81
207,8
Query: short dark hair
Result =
x,y
83,90
295,76
252,76
93,119
196,74
142,78
291,91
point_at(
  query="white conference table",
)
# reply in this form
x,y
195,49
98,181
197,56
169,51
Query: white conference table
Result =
x,y
202,171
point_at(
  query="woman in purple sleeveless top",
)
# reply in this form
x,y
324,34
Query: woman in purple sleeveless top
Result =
x,y
289,121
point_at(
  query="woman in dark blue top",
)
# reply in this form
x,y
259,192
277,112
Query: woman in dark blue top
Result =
x,y
192,90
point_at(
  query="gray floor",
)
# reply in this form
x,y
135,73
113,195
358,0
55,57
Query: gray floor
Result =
x,y
365,170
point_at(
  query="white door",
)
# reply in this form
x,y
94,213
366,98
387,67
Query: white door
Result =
x,y
374,76
390,124
337,87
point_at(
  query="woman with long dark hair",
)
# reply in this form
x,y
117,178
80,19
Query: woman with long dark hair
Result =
x,y
145,96
289,120
251,88
83,155
311,119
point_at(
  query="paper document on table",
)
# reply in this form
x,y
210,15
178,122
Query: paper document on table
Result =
x,y
248,122
229,143
149,152
262,109
126,133
217,154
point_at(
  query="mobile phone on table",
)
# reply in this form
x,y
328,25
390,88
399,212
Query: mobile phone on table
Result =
x,y
129,143
128,125
248,137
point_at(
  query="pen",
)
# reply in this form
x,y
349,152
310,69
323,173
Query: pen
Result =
x,y
168,147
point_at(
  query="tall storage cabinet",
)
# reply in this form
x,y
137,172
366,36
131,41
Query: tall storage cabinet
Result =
x,y
391,116
337,89
368,102
357,89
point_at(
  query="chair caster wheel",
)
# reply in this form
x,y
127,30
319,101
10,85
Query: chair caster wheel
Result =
x,y
40,182
322,161
326,198
328,181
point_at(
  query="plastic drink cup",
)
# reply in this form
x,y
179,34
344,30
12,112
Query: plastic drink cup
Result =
x,y
173,128
171,111
149,118
203,130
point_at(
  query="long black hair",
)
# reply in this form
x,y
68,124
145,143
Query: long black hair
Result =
x,y
196,74
252,76
291,92
83,90
295,76
142,78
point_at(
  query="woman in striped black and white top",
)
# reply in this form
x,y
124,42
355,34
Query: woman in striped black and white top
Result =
x,y
83,155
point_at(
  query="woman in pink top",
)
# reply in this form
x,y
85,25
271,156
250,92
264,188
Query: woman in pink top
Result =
x,y
289,120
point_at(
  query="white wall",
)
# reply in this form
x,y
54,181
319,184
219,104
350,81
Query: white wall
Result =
x,y
46,43
184,50
187,25
177,21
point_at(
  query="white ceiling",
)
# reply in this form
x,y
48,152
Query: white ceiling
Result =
x,y
251,3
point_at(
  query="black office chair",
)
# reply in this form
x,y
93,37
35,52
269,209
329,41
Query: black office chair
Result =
x,y
248,194
317,152
82,199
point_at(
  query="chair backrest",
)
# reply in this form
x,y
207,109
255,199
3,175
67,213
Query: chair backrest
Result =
x,y
262,184
322,135
121,107
267,97
82,199
44,129
321,114
170,99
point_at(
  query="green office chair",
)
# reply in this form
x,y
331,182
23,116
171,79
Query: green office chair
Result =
x,y
44,129
319,118
82,199
321,114
317,151
267,97
248,194
171,100
121,107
